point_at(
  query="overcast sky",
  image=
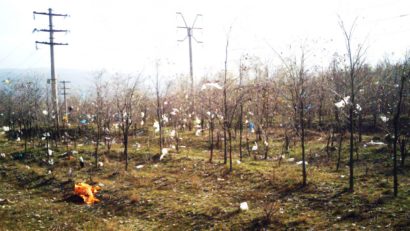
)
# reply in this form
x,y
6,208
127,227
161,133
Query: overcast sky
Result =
x,y
128,36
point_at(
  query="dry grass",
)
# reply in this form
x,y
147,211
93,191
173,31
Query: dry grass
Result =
x,y
185,192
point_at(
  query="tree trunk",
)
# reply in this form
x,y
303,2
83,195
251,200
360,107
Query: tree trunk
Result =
x,y
403,152
302,139
126,148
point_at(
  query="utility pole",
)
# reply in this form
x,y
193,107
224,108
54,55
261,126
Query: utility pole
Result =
x,y
51,43
65,118
190,35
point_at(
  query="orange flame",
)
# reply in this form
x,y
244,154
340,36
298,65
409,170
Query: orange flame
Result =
x,y
86,192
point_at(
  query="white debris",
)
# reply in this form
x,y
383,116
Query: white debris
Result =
x,y
49,172
50,152
139,166
3,155
210,86
172,133
198,132
250,113
51,162
342,103
220,179
342,176
18,139
164,152
100,164
384,118
142,114
74,152
290,159
142,123
43,138
358,108
266,143
255,147
238,161
6,128
156,126
197,121
165,118
372,143
45,112
81,159
172,147
28,167
300,162
244,206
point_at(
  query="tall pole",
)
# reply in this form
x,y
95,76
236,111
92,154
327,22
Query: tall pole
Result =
x,y
189,35
51,43
191,69
65,97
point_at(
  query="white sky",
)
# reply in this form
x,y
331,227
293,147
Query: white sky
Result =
x,y
129,35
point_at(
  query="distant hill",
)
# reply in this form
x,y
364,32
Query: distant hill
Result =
x,y
80,79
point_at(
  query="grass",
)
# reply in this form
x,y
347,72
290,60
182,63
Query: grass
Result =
x,y
186,192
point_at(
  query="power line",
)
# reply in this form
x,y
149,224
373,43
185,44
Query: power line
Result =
x,y
51,43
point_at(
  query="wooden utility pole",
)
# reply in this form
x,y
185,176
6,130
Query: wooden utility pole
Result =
x,y
51,43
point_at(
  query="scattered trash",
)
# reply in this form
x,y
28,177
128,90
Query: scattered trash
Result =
x,y
372,143
51,162
100,164
139,166
220,179
165,118
45,112
238,161
251,127
384,118
6,128
244,206
198,132
86,192
49,172
156,126
300,162
210,86
342,176
342,103
82,164
2,155
28,167
18,139
50,152
164,152
255,147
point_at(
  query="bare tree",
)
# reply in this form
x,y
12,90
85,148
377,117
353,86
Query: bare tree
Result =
x,y
127,100
355,59
404,76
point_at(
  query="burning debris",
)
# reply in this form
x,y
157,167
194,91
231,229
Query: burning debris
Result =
x,y
87,192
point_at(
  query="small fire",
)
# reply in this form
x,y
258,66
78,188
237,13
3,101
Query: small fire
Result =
x,y
86,192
